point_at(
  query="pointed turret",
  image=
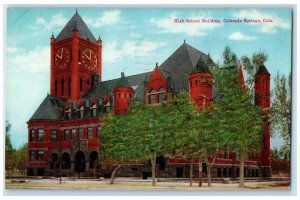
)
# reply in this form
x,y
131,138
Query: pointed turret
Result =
x,y
76,23
201,86
262,99
123,93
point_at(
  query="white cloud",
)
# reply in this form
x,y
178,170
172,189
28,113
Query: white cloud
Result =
x,y
107,18
113,51
35,61
240,36
266,27
56,21
167,25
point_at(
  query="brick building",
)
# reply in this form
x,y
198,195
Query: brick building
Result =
x,y
65,127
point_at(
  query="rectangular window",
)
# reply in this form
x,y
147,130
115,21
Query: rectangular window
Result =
x,y
41,135
237,155
66,136
32,134
31,154
73,134
98,131
53,135
41,154
80,133
90,133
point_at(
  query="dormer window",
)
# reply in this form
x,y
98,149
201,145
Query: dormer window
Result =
x,y
152,96
81,112
107,107
161,95
68,112
94,110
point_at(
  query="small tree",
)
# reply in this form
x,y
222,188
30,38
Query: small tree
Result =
x,y
9,150
281,111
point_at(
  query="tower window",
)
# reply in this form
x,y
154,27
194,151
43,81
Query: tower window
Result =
x,y
55,88
62,87
80,84
69,87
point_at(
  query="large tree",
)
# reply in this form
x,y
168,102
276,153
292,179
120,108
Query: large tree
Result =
x,y
242,123
281,111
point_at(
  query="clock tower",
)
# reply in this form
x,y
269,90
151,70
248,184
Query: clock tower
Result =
x,y
75,56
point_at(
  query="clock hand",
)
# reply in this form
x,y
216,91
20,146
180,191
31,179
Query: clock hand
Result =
x,y
88,57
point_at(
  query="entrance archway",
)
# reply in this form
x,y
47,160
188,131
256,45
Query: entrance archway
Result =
x,y
53,161
66,161
93,159
79,161
93,162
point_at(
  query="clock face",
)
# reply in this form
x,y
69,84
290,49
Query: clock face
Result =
x,y
62,58
89,59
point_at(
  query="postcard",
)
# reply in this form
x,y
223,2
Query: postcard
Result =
x,y
148,98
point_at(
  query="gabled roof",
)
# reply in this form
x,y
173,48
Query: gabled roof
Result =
x,y
50,109
181,63
77,23
262,70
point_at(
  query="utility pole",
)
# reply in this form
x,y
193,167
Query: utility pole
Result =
x,y
60,157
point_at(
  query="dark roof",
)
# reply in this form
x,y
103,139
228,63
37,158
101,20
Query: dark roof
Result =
x,y
201,67
176,69
262,70
181,63
122,82
50,109
77,23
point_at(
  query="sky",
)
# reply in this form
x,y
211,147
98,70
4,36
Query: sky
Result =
x,y
133,41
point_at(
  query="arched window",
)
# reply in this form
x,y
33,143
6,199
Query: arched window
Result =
x,y
152,96
94,110
161,95
81,112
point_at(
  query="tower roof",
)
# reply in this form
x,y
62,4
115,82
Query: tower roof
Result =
x,y
201,67
123,82
76,23
262,70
